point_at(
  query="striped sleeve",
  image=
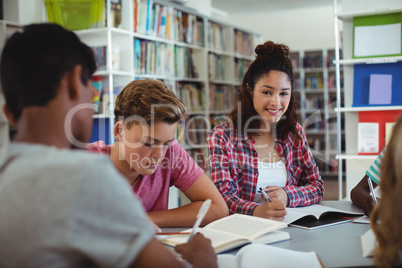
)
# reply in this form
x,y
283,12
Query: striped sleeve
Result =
x,y
374,170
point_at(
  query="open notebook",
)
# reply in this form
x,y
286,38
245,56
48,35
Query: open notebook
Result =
x,y
266,256
318,216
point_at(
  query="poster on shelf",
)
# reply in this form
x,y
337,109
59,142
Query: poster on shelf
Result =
x,y
368,138
380,89
389,126
377,40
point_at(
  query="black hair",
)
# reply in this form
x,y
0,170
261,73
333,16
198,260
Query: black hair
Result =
x,y
34,60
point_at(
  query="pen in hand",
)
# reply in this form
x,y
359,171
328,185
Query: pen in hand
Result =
x,y
201,214
265,194
372,190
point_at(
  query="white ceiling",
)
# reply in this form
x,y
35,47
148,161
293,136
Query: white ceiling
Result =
x,y
238,7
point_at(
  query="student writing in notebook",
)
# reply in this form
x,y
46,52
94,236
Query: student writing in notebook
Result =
x,y
386,218
148,155
361,194
63,207
263,145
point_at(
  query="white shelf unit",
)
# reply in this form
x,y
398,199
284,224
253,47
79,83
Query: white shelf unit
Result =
x,y
220,48
355,164
314,75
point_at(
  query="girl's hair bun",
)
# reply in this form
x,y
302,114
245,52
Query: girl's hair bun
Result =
x,y
270,48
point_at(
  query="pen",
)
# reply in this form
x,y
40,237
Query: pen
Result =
x,y
372,190
264,194
201,214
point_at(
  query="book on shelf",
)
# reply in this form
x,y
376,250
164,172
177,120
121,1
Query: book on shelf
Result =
x,y
389,126
380,89
368,138
317,216
115,12
234,231
266,256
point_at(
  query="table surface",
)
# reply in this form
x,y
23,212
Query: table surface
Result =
x,y
337,245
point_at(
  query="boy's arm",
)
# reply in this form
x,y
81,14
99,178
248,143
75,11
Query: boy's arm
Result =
x,y
360,196
185,216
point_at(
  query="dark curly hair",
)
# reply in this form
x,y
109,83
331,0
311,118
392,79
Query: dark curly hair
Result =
x,y
269,56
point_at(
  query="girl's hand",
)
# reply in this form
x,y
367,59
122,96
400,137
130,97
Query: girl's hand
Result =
x,y
277,192
274,210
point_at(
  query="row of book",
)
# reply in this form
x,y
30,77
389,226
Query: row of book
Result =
x,y
216,66
243,43
152,57
193,131
192,96
167,22
313,61
185,63
332,81
316,144
221,97
217,38
241,66
313,103
314,122
313,82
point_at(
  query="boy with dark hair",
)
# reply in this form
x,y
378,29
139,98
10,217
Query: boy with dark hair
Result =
x,y
62,207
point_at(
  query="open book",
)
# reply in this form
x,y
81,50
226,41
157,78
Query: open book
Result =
x,y
236,230
368,243
317,216
265,256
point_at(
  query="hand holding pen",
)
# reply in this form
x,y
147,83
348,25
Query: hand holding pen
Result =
x,y
201,214
264,194
372,190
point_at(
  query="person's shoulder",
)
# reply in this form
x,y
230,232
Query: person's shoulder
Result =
x,y
300,129
222,130
50,157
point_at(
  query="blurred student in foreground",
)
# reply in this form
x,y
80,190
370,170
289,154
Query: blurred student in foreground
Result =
x,y
386,218
148,155
63,207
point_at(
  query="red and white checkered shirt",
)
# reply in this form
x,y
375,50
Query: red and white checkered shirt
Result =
x,y
234,169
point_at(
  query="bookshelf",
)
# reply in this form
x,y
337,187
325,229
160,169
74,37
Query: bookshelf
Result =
x,y
353,109
200,58
314,74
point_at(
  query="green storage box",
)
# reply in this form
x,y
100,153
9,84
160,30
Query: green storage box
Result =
x,y
76,14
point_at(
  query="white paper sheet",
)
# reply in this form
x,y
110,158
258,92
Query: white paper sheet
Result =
x,y
377,40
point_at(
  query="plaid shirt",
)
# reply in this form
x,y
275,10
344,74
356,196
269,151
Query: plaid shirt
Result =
x,y
234,169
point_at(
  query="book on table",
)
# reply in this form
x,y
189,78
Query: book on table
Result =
x,y
318,216
234,231
265,256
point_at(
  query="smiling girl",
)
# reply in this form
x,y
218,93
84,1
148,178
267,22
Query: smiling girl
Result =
x,y
263,145
148,155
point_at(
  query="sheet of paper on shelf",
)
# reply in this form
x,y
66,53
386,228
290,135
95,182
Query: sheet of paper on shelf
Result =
x,y
380,89
368,138
377,40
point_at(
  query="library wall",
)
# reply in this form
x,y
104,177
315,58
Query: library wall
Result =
x,y
300,29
